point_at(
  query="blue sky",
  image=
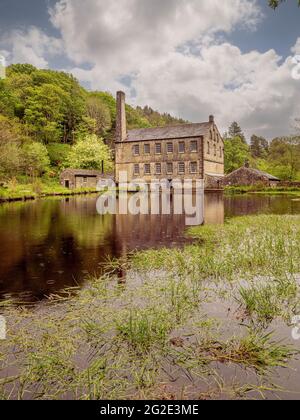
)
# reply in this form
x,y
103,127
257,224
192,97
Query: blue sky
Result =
x,y
187,57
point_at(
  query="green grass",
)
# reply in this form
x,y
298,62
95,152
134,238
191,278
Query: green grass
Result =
x,y
266,302
262,190
163,333
41,187
254,350
246,247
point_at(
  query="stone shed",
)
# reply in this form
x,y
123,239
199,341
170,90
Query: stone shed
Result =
x,y
81,178
247,176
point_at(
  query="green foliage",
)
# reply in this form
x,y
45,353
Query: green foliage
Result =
x,y
45,108
259,147
159,120
236,131
89,153
35,159
10,153
236,154
285,155
275,3
7,106
98,112
58,153
51,108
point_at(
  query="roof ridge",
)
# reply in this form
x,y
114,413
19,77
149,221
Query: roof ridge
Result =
x,y
170,126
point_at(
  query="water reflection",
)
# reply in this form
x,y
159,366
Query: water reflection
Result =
x,y
51,244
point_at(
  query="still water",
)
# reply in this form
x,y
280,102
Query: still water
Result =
x,y
51,244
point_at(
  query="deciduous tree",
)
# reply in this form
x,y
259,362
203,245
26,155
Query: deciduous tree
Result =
x,y
236,154
89,153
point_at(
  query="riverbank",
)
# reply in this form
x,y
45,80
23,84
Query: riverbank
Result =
x,y
261,190
24,191
205,321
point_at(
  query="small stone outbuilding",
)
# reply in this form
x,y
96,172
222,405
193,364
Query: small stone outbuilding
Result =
x,y
81,178
247,176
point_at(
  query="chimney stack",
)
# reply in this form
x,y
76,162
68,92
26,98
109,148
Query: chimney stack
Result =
x,y
121,130
211,119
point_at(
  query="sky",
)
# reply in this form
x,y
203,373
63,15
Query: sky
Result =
x,y
234,59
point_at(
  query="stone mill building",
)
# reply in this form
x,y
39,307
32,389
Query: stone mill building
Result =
x,y
186,151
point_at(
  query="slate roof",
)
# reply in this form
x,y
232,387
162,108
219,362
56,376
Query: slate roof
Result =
x,y
84,172
256,172
261,173
169,132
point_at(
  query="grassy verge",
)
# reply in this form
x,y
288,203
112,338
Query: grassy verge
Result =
x,y
262,190
164,334
15,191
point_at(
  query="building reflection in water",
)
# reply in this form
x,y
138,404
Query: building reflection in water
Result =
x,y
51,244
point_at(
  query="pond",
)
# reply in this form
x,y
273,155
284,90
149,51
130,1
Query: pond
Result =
x,y
50,244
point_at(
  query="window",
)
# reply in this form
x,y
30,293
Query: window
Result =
x,y
208,148
85,180
158,168
215,150
193,167
147,169
158,148
136,169
169,168
170,148
181,167
220,152
181,147
136,150
194,146
147,149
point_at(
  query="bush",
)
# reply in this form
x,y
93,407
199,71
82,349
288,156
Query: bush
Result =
x,y
58,153
89,153
35,159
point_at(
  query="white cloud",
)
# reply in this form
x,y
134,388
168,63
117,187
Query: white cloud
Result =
x,y
171,52
30,46
120,36
176,55
296,48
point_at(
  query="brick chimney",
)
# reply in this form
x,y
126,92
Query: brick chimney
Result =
x,y
121,130
211,119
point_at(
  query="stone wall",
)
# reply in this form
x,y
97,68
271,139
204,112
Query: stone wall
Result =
x,y
288,184
126,159
213,152
246,177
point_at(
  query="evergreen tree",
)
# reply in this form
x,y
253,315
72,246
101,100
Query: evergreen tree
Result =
x,y
259,147
236,131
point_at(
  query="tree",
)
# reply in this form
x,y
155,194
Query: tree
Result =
x,y
89,153
35,159
7,101
236,154
259,147
285,153
44,113
236,131
10,143
275,3
99,112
